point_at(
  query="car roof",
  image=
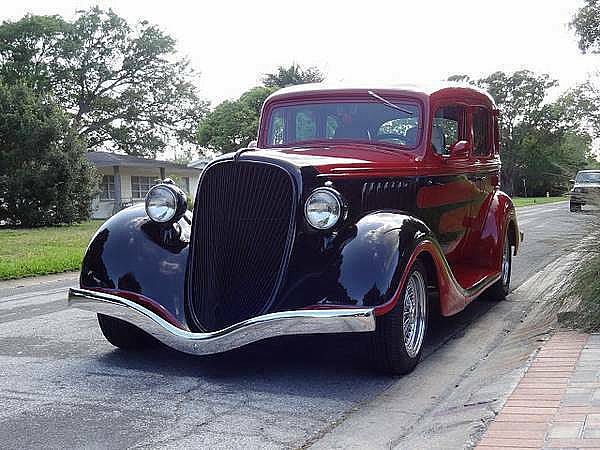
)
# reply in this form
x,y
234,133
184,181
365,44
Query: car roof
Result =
x,y
589,171
426,90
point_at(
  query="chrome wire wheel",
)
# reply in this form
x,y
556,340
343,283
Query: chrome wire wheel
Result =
x,y
414,314
506,262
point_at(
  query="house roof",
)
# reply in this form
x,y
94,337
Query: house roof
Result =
x,y
107,159
199,163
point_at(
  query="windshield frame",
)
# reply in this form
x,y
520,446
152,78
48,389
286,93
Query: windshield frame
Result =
x,y
272,105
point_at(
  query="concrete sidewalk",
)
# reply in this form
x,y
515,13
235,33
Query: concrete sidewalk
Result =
x,y
556,405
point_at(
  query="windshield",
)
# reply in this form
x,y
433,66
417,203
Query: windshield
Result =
x,y
588,177
397,124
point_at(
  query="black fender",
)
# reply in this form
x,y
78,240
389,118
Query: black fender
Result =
x,y
132,256
372,257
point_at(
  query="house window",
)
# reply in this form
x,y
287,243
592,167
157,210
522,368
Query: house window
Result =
x,y
141,185
107,187
183,183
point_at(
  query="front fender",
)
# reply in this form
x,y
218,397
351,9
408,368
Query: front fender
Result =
x,y
131,256
371,258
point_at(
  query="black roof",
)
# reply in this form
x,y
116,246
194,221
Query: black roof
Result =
x,y
108,159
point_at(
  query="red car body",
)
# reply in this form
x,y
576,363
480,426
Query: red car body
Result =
x,y
358,210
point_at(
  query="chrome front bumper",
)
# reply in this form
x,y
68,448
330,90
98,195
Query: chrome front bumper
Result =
x,y
251,330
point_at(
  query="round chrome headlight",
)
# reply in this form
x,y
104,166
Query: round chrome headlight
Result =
x,y
323,208
162,203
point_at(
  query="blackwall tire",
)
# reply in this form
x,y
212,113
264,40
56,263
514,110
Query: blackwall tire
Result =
x,y
124,335
574,207
394,349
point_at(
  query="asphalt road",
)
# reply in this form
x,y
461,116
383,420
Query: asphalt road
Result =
x,y
62,385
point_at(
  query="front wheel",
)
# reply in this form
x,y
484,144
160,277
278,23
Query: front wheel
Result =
x,y
124,335
397,341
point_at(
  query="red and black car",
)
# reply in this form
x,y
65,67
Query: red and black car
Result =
x,y
359,210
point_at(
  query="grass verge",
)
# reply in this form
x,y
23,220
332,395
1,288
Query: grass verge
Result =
x,y
40,251
530,201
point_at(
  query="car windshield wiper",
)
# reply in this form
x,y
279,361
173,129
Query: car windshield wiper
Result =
x,y
388,103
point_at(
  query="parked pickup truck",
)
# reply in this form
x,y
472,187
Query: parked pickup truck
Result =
x,y
586,189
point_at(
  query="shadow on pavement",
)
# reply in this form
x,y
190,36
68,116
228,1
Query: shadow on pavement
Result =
x,y
320,355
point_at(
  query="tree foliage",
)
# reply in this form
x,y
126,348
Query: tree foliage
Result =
x,y
44,176
586,24
122,85
543,143
233,124
292,75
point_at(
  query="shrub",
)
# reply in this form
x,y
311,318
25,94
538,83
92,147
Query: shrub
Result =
x,y
45,178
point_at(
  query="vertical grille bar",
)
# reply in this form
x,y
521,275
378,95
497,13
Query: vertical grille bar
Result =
x,y
243,226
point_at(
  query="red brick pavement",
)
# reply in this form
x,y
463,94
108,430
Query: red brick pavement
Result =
x,y
556,405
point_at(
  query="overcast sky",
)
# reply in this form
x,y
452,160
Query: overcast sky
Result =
x,y
232,43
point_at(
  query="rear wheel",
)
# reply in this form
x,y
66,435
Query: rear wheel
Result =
x,y
397,342
574,207
122,334
499,290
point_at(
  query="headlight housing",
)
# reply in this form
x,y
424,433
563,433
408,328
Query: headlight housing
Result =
x,y
323,208
165,203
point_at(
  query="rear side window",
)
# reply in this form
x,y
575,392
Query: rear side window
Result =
x,y
481,132
448,126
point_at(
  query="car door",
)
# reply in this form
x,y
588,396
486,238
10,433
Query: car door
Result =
x,y
444,201
485,181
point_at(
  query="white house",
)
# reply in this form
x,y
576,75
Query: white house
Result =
x,y
126,179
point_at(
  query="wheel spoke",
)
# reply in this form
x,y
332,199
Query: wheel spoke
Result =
x,y
413,318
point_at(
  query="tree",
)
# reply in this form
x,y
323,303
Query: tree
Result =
x,y
233,124
586,24
122,85
44,176
519,96
292,75
541,142
27,46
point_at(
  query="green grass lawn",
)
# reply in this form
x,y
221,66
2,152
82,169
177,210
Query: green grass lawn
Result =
x,y
529,201
39,251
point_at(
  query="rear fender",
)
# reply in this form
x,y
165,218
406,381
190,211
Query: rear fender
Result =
x,y
486,244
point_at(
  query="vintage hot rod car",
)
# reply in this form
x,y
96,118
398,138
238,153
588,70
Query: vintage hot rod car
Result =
x,y
358,210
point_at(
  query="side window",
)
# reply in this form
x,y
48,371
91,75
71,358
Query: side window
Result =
x,y
306,125
481,132
141,185
447,128
276,128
